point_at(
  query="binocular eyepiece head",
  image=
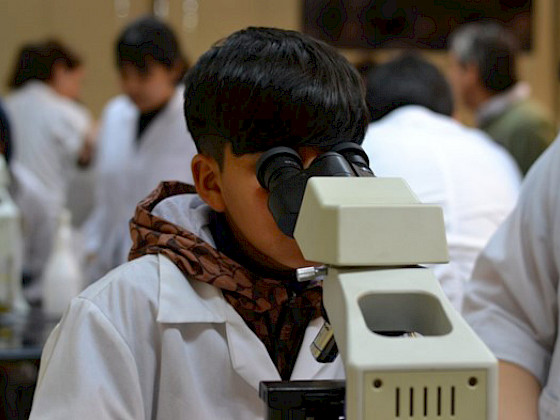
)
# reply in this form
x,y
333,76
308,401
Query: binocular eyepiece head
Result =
x,y
280,171
277,164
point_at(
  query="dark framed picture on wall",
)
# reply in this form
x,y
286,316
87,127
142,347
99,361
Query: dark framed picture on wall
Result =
x,y
408,23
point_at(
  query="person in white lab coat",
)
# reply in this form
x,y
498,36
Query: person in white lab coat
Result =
x,y
142,140
38,215
414,137
50,129
512,299
191,329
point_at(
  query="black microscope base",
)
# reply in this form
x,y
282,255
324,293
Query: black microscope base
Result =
x,y
303,400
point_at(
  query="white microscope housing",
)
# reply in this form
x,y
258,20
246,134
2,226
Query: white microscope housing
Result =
x,y
372,234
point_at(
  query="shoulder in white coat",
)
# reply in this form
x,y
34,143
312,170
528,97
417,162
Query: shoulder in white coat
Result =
x,y
144,342
512,300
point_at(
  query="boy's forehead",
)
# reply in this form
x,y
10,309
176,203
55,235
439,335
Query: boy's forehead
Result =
x,y
306,153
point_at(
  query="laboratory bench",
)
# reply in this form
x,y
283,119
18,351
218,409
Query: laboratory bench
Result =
x,y
22,337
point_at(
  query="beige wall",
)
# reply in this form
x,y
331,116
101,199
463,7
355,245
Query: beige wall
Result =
x,y
90,27
218,18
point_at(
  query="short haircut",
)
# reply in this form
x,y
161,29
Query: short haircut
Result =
x,y
146,40
492,48
36,61
408,79
265,87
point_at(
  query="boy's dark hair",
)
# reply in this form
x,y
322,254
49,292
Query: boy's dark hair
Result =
x,y
407,80
263,87
492,48
149,39
36,62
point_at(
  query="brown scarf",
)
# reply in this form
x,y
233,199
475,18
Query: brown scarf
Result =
x,y
278,319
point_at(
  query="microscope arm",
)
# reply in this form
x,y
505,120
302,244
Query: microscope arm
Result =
x,y
373,233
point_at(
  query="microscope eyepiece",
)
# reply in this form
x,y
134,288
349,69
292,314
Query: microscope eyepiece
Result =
x,y
278,162
280,171
356,156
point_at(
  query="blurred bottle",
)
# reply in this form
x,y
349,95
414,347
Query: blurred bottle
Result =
x,y
11,249
62,279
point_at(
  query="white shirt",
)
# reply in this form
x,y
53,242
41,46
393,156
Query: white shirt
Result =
x,y
512,300
128,170
474,180
145,343
48,131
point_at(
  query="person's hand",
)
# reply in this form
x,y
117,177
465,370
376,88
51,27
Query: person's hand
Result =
x,y
87,152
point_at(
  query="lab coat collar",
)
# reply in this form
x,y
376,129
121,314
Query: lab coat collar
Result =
x,y
189,301
183,301
250,358
39,86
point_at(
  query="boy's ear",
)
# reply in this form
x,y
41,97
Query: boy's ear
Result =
x,y
207,180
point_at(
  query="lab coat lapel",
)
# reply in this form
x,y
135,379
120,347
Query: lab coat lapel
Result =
x,y
183,302
251,361
248,354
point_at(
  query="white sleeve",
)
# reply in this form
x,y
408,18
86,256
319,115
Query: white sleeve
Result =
x,y
71,126
87,370
98,226
512,300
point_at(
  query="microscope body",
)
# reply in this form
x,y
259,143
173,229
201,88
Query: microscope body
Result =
x,y
407,352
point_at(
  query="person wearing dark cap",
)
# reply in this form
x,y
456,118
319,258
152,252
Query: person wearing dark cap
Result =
x,y
142,139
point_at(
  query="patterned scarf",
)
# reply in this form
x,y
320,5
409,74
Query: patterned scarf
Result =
x,y
277,315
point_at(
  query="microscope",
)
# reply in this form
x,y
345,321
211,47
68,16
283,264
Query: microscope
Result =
x,y
407,353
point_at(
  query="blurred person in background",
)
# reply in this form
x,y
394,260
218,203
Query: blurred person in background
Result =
x,y
143,138
414,137
38,216
51,130
483,71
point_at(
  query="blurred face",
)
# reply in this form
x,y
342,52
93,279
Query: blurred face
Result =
x,y
68,82
244,203
464,81
149,88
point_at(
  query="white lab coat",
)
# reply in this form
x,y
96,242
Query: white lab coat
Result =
x,y
39,215
127,171
474,180
49,131
512,300
145,343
